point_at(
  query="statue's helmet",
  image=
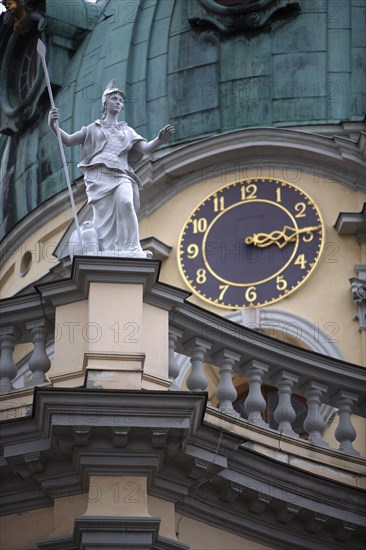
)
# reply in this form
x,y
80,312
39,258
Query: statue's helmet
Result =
x,y
112,87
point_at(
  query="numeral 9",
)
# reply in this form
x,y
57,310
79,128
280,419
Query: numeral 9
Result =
x,y
192,251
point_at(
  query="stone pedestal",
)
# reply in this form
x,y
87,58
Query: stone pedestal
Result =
x,y
119,338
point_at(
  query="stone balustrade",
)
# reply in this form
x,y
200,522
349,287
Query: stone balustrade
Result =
x,y
230,349
25,319
318,379
39,363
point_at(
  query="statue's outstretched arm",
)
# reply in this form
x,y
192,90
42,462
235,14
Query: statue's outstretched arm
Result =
x,y
148,147
67,139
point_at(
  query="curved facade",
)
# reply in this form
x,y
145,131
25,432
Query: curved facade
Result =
x,y
303,68
260,441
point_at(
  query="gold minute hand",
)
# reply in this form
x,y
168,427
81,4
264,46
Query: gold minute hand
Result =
x,y
288,234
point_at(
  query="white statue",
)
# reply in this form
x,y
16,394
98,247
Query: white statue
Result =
x,y
109,150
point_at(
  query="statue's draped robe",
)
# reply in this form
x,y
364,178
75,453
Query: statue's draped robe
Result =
x,y
107,158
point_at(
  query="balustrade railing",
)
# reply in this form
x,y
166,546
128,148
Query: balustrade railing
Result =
x,y
231,349
25,319
39,363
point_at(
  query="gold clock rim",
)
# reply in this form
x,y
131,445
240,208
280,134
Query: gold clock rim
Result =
x,y
284,294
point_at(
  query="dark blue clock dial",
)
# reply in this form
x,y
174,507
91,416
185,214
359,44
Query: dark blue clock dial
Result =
x,y
250,243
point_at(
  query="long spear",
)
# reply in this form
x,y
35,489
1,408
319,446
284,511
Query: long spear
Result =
x,y
41,49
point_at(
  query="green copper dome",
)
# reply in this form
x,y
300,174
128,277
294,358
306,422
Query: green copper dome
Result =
x,y
197,64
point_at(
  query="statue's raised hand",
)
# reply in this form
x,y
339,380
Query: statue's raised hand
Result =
x,y
166,133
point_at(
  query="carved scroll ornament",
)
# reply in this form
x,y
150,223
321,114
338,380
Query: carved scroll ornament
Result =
x,y
230,16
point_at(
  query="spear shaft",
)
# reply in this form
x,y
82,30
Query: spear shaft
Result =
x,y
41,49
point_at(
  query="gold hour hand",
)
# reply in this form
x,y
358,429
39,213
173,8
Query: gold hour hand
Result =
x,y
281,238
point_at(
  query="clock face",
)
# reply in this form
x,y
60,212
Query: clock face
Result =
x,y
250,243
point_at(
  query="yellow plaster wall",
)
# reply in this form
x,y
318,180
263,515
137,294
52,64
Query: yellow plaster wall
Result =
x,y
198,535
41,244
156,341
70,341
117,496
115,318
359,444
22,531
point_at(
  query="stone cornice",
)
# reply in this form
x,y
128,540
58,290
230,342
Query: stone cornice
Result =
x,y
77,433
288,449
88,269
327,158
352,223
136,532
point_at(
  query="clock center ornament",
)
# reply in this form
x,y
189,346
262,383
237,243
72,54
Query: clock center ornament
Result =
x,y
251,243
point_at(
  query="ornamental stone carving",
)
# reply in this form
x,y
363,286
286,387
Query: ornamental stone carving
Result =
x,y
243,15
358,289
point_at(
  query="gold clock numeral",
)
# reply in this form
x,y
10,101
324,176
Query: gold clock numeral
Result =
x,y
281,283
300,208
250,294
300,260
278,194
192,251
219,204
248,192
223,289
199,225
201,276
307,237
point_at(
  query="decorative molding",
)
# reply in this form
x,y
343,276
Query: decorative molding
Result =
x,y
107,532
160,250
107,356
352,223
148,377
156,421
111,532
228,155
358,289
229,18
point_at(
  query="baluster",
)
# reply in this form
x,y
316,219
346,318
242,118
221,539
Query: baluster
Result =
x,y
174,368
226,392
345,432
8,368
39,362
197,349
314,423
255,403
285,413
